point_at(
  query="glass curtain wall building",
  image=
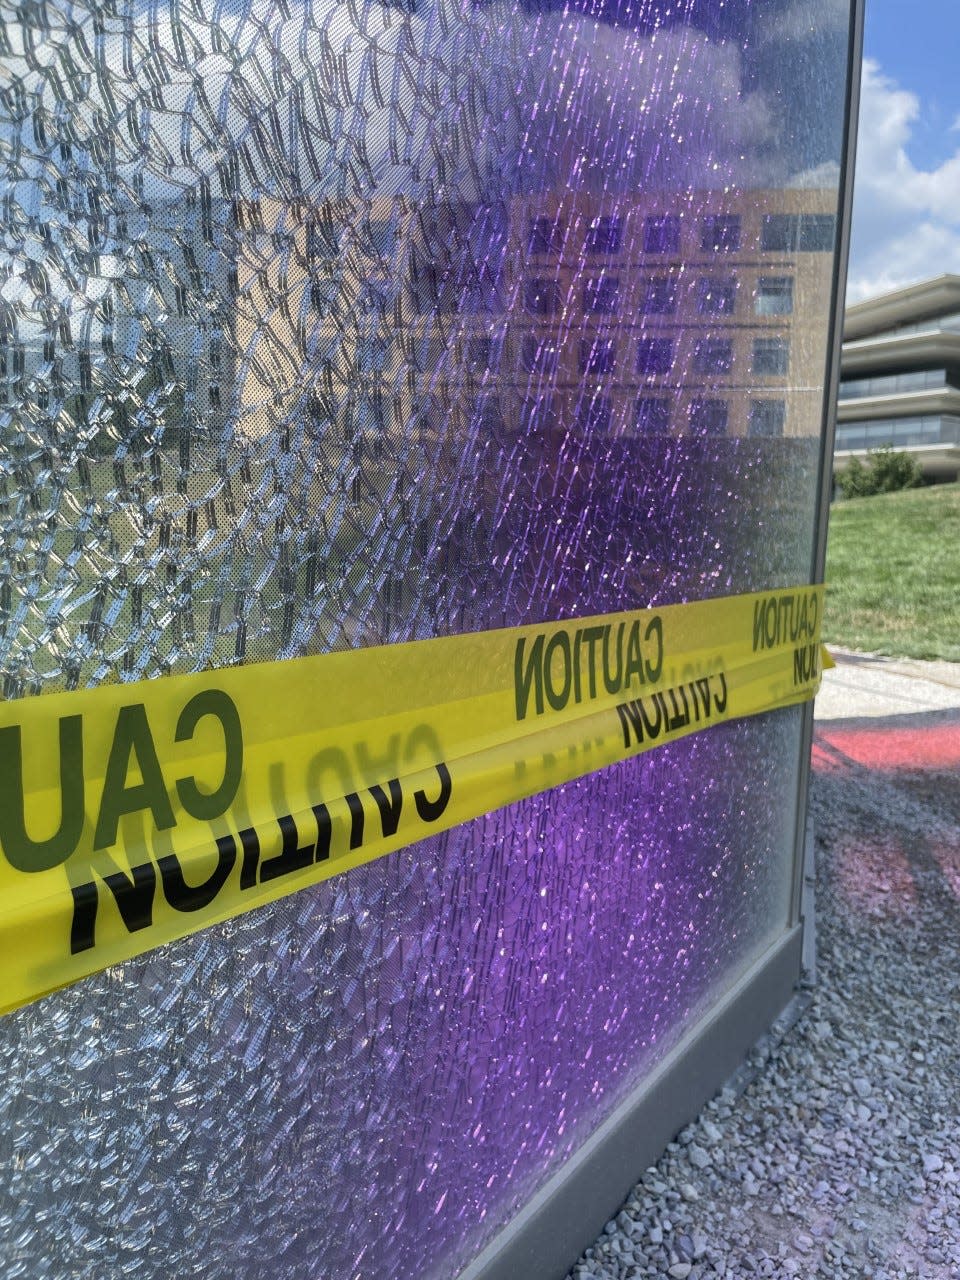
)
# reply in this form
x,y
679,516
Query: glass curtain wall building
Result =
x,y
325,326
900,377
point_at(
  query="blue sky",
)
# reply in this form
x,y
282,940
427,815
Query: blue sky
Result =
x,y
918,48
906,214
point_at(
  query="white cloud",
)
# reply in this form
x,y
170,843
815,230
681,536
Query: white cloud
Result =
x,y
803,18
906,219
824,177
662,111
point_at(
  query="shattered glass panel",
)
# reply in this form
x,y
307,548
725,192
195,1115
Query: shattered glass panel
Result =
x,y
298,352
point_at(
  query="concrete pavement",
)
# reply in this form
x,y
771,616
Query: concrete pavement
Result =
x,y
867,685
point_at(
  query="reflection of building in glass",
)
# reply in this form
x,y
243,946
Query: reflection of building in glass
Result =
x,y
669,316
679,318
900,377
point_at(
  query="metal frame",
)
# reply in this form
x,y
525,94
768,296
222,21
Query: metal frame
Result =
x,y
831,382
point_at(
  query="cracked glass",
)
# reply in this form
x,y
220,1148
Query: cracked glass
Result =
x,y
325,325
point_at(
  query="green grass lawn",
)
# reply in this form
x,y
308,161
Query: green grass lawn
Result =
x,y
893,573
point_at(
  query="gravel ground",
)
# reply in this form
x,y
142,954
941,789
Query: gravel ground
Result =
x,y
841,1157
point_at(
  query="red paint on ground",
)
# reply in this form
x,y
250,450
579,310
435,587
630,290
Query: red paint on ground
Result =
x,y
935,746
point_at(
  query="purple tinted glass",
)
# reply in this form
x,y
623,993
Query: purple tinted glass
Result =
x,y
276,282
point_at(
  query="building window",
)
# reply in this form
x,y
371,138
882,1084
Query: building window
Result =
x,y
893,383
790,232
708,417
771,356
541,296
546,236
491,415
538,354
598,355
479,290
603,236
660,296
602,294
594,415
778,232
713,355
817,231
434,290
482,353
901,433
767,417
654,355
774,296
661,235
653,414
720,233
716,296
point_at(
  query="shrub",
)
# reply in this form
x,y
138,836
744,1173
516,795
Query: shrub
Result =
x,y
887,470
854,479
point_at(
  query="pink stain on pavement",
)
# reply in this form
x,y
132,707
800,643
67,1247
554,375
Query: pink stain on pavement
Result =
x,y
935,746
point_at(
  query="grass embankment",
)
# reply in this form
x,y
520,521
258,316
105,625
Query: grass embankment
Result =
x,y
893,573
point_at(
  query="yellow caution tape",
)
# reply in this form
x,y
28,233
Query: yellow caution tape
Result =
x,y
134,814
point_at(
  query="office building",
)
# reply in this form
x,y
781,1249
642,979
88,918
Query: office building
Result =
x,y
900,377
663,315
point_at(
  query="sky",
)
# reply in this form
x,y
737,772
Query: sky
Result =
x,y
906,209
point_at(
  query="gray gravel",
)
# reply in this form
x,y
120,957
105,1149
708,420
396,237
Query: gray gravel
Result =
x,y
842,1156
